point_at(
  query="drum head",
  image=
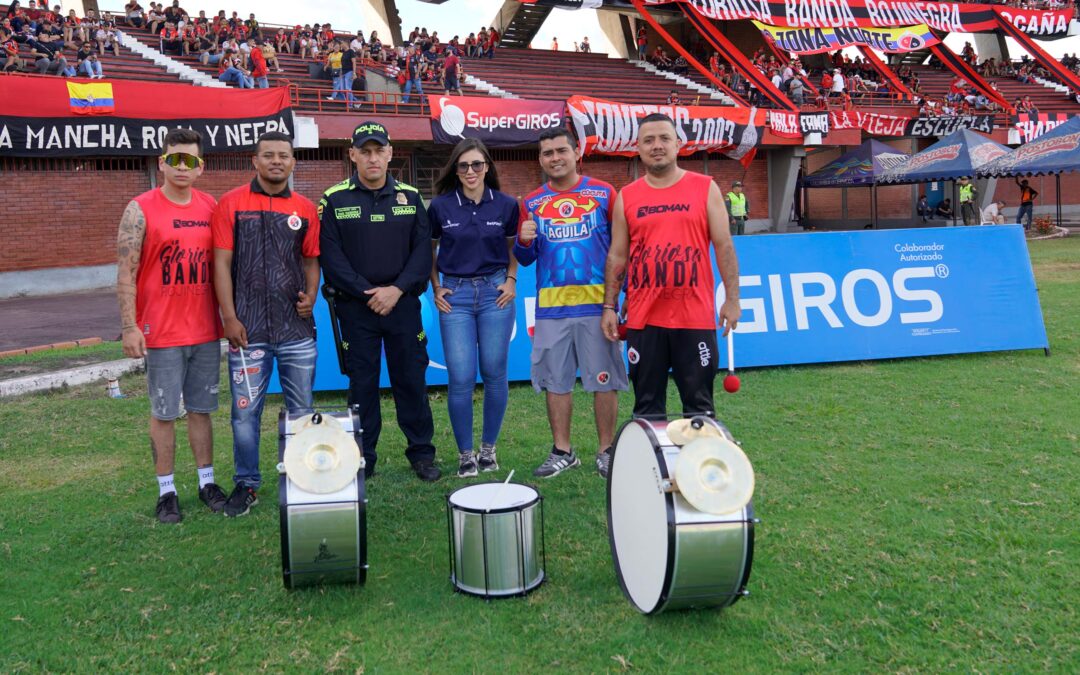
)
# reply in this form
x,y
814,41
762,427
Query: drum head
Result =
x,y
478,498
639,517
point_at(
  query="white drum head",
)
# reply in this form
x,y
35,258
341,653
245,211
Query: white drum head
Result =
x,y
507,497
637,511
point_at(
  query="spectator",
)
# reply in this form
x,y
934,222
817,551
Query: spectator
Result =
x,y
1027,202
281,43
642,43
230,69
46,61
660,59
492,42
555,44
470,45
270,54
259,70
170,39
944,209
796,90
155,19
923,209
680,66
673,98
992,214
73,28
252,25
414,71
10,50
333,68
586,48
88,61
133,11
451,72
838,88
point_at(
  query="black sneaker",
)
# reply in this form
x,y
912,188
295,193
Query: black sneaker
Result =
x,y
240,501
466,465
487,460
213,496
556,463
426,470
168,508
603,462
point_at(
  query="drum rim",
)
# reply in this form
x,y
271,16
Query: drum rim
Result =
x,y
506,509
669,507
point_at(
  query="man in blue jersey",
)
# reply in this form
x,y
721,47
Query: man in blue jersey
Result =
x,y
566,231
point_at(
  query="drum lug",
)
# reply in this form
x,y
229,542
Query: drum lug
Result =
x,y
668,486
756,521
281,468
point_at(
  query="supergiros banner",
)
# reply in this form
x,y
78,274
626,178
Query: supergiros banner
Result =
x,y
611,128
817,40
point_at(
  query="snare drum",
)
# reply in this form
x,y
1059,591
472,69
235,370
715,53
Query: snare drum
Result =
x,y
668,554
323,534
496,539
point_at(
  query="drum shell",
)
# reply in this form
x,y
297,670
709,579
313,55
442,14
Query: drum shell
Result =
x,y
323,536
707,557
499,553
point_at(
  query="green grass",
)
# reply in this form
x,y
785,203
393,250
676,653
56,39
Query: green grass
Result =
x,y
918,515
55,359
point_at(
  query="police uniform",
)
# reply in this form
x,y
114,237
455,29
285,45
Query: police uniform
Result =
x,y
738,208
372,238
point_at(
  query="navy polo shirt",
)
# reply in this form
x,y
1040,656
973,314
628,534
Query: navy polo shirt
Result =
x,y
472,236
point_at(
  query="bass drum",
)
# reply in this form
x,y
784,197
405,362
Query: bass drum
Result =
x,y
668,554
323,534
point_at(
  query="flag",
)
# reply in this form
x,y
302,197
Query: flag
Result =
x,y
91,98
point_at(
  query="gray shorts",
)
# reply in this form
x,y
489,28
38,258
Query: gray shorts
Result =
x,y
563,346
193,370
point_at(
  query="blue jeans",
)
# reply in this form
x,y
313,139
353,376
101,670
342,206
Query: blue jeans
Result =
x,y
410,85
296,364
91,68
347,84
262,82
1028,209
474,325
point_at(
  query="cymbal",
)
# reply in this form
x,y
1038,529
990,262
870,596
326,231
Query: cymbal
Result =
x,y
321,459
714,475
308,421
682,431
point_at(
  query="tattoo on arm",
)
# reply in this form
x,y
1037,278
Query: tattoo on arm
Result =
x,y
129,242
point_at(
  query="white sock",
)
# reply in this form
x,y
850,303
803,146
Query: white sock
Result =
x,y
165,485
206,476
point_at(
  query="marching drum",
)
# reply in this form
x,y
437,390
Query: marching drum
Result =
x,y
496,539
321,498
680,520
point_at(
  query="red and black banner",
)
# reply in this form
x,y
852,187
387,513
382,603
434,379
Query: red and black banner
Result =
x,y
949,17
1054,66
964,69
498,122
877,124
54,117
611,128
1033,125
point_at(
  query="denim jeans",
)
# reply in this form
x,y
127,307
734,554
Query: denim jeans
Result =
x,y
475,325
410,85
262,82
1028,209
296,366
347,84
91,68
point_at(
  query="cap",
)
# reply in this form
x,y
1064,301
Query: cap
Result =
x,y
370,131
737,183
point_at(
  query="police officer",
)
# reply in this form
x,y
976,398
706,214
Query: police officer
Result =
x,y
376,252
968,195
737,207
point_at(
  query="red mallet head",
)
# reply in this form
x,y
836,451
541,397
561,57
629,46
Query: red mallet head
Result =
x,y
731,383
621,327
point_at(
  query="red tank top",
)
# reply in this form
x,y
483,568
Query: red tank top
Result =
x,y
174,303
669,273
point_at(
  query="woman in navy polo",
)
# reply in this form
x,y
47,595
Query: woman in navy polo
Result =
x,y
473,227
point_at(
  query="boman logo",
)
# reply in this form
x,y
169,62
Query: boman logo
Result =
x,y
661,208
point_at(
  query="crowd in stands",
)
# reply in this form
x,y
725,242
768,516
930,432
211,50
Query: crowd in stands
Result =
x,y
62,44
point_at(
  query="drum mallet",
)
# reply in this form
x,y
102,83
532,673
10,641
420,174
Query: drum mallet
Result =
x,y
247,379
731,382
495,497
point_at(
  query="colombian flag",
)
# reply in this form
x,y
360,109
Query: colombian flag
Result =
x,y
90,98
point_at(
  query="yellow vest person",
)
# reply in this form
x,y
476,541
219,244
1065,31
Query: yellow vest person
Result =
x,y
737,207
968,194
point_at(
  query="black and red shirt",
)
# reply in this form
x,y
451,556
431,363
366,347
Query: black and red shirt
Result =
x,y
269,236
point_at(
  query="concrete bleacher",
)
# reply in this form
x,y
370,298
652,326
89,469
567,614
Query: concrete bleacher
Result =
x,y
934,83
544,74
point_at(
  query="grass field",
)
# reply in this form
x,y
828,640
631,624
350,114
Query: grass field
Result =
x,y
918,516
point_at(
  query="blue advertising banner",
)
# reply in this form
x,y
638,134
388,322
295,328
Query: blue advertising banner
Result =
x,y
831,296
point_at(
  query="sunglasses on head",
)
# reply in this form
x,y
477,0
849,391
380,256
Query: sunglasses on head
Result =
x,y
477,166
177,159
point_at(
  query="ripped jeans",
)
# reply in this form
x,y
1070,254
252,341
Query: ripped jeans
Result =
x,y
296,366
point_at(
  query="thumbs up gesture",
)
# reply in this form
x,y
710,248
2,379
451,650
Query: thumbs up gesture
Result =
x,y
528,231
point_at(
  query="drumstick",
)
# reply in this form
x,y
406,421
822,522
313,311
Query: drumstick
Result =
x,y
731,351
495,497
247,380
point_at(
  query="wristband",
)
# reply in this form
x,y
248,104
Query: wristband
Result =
x,y
129,327
611,307
510,277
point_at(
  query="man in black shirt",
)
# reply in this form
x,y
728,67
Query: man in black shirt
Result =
x,y
375,251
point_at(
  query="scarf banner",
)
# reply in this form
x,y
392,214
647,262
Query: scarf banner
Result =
x,y
877,124
817,40
498,122
785,124
1033,125
814,123
610,128
51,117
948,17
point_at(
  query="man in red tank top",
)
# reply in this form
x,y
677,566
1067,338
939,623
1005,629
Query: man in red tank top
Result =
x,y
661,229
169,314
